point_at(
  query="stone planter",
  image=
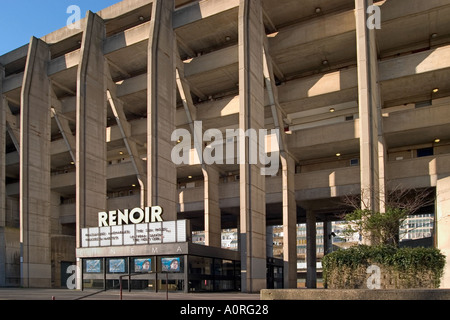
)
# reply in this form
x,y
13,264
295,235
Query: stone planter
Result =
x,y
383,267
386,278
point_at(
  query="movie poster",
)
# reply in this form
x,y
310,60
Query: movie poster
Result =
x,y
117,265
170,265
93,266
143,265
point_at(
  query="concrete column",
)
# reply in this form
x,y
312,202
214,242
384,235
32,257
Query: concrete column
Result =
x,y
3,107
327,238
443,223
161,171
35,123
251,116
289,221
311,250
3,129
269,241
91,126
213,227
369,110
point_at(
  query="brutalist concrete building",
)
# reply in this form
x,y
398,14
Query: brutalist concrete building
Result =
x,y
358,92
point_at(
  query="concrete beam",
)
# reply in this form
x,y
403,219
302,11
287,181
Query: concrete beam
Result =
x,y
13,82
17,54
127,38
63,125
251,116
213,229
212,61
201,10
91,126
35,203
113,12
12,125
122,8
161,107
289,221
3,106
415,64
67,61
211,176
311,31
369,110
443,221
311,250
131,146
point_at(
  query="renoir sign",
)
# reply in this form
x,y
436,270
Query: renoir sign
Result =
x,y
133,227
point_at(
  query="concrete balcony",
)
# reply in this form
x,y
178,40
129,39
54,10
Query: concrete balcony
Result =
x,y
418,172
61,182
417,126
325,141
312,185
328,183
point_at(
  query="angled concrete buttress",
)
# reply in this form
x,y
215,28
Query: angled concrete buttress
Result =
x,y
161,100
35,209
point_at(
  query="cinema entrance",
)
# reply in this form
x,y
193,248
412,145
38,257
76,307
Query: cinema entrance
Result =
x,y
153,256
184,267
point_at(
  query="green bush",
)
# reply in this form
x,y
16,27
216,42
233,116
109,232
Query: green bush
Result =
x,y
407,262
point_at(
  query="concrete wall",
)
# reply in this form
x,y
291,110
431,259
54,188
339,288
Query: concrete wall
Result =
x,y
9,257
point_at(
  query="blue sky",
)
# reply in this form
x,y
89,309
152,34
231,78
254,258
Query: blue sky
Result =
x,y
22,19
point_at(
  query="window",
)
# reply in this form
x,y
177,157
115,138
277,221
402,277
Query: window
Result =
x,y
423,104
425,152
349,118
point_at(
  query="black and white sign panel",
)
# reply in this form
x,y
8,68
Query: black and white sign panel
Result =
x,y
134,234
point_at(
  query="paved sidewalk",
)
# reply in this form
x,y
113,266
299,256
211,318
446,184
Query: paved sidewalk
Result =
x,y
64,294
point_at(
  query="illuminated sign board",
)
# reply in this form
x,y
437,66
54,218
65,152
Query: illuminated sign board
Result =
x,y
135,234
133,227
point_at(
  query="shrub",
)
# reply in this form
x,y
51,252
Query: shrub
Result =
x,y
403,268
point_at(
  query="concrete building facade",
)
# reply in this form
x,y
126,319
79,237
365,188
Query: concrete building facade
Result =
x,y
359,93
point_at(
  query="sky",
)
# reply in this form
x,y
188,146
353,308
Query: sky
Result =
x,y
22,19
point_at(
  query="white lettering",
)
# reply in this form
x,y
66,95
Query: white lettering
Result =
x,y
140,218
134,216
102,219
156,214
123,217
112,218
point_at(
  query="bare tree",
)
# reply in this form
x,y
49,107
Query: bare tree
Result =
x,y
382,226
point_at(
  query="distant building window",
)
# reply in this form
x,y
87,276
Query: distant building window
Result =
x,y
354,162
425,152
423,104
